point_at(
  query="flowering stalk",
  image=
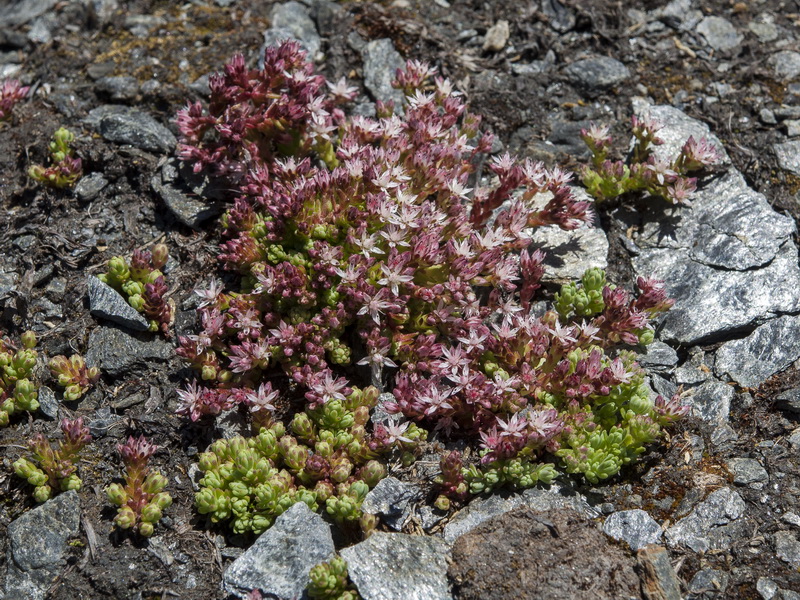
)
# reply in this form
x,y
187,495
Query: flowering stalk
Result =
x,y
52,470
73,375
64,170
141,500
11,92
17,391
644,172
142,283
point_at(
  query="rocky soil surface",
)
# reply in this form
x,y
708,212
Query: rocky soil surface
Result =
x,y
712,513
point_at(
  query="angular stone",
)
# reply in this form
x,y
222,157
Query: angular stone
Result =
x,y
559,17
89,187
766,588
747,470
658,357
677,128
22,11
712,525
48,403
788,155
391,500
118,87
381,61
712,302
789,400
728,226
786,64
719,33
291,20
570,253
636,527
711,401
482,509
279,561
388,566
787,547
659,581
188,196
708,584
770,349
595,75
37,541
116,352
106,303
126,125
497,36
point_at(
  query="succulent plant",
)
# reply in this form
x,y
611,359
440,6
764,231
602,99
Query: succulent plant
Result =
x,y
65,169
17,390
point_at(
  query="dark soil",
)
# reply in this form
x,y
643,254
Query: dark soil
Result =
x,y
53,242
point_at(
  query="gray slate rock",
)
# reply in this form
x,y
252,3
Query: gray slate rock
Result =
x,y
22,11
770,349
279,561
679,14
677,128
636,527
787,547
8,282
571,253
789,400
89,187
719,33
190,201
106,303
559,17
118,87
659,581
747,471
37,541
291,21
708,258
115,351
712,525
707,584
788,155
381,61
48,403
711,402
391,500
389,566
595,75
658,357
126,125
481,510
785,64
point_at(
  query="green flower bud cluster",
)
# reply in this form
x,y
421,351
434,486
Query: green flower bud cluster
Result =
x,y
329,581
17,391
327,460
516,473
141,500
52,470
141,282
73,375
584,299
64,170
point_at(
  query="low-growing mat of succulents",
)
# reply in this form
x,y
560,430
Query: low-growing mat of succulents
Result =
x,y
367,301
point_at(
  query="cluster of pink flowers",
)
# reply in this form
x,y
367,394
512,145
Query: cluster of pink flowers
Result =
x,y
11,92
366,242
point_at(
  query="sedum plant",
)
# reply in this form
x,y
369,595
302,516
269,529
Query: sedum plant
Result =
x,y
53,470
326,460
141,500
11,93
73,375
17,391
142,284
643,171
373,259
65,169
329,581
